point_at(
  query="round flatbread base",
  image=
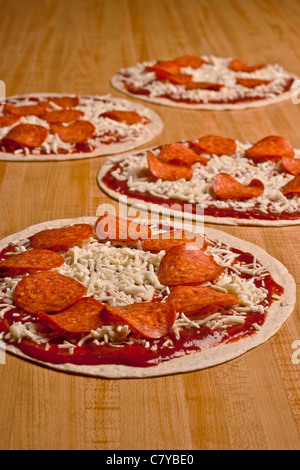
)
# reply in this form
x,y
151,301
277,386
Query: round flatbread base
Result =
x,y
117,83
155,127
277,315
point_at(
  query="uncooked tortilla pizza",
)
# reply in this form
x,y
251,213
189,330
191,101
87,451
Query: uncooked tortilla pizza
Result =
x,y
214,178
45,127
113,297
205,82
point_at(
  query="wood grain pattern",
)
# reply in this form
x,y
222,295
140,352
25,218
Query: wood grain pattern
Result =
x,y
75,46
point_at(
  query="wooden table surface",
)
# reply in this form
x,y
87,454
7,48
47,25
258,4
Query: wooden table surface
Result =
x,y
75,46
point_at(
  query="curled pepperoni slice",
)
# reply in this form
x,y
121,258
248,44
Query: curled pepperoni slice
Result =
x,y
26,135
82,317
66,101
177,153
191,85
165,241
175,78
166,171
8,120
292,188
46,105
79,131
169,66
28,110
150,319
47,291
200,300
130,117
291,165
110,227
272,147
238,66
61,239
214,145
190,61
63,116
226,187
29,262
251,82
187,264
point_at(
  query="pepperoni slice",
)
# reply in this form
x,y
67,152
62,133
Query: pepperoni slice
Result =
x,y
200,300
238,66
47,291
8,120
61,239
169,66
63,116
226,187
46,105
165,241
190,61
175,78
215,145
177,153
29,262
79,131
187,264
291,165
150,319
191,85
251,82
66,101
166,171
130,117
28,110
272,147
26,135
110,227
292,188
81,317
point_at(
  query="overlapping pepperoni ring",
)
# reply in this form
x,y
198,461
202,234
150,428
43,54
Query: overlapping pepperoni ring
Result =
x,y
174,161
205,82
61,320
58,127
60,302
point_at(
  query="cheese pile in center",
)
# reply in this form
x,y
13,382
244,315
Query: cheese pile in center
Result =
x,y
123,275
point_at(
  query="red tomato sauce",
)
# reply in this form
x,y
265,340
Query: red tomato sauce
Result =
x,y
255,213
191,340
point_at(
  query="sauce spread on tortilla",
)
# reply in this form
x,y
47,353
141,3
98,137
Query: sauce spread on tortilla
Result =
x,y
191,340
255,213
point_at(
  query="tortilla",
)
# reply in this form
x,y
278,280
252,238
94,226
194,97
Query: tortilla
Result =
x,y
205,83
128,179
279,311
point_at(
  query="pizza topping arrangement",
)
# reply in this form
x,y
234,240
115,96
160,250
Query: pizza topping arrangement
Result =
x,y
204,82
233,182
106,301
41,126
107,296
